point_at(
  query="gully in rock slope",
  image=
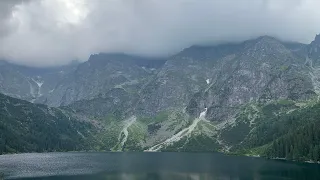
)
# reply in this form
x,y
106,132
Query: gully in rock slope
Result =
x,y
123,136
183,133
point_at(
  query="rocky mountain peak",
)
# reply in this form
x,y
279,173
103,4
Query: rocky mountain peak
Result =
x,y
317,39
266,43
314,48
266,38
265,48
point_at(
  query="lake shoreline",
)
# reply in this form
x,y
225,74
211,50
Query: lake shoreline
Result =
x,y
205,152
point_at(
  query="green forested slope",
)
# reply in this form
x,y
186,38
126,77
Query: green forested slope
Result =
x,y
291,135
27,127
301,144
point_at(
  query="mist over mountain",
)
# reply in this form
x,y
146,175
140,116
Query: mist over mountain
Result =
x,y
49,33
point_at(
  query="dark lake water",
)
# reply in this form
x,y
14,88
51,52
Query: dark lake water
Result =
x,y
151,166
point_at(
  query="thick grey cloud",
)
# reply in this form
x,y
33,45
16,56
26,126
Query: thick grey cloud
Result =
x,y
54,32
6,7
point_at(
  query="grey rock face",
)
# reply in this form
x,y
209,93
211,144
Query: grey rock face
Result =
x,y
265,70
64,85
31,84
182,76
116,102
99,75
172,87
313,50
15,84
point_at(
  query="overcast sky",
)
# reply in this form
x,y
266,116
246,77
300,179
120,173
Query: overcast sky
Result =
x,y
55,32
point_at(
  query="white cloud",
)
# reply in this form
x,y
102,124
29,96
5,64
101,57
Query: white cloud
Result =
x,y
54,32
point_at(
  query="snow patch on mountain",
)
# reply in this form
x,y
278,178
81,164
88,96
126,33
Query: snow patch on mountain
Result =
x,y
39,84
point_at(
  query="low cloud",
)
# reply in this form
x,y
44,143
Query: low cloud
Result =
x,y
55,32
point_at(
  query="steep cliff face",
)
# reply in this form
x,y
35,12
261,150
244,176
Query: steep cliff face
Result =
x,y
116,102
225,77
264,71
100,74
313,49
183,75
15,84
312,56
31,84
173,86
67,84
